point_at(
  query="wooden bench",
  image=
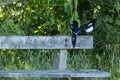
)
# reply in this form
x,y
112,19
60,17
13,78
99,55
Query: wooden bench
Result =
x,y
61,43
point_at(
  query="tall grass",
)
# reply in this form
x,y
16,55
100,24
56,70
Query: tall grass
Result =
x,y
77,59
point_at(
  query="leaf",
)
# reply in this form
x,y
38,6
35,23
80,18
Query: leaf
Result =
x,y
52,18
117,7
117,22
59,27
109,19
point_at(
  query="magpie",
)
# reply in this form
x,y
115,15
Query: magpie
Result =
x,y
87,28
75,28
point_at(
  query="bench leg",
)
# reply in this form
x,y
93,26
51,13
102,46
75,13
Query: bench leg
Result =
x,y
85,78
60,61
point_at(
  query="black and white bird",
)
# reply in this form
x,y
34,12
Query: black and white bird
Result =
x,y
75,28
87,28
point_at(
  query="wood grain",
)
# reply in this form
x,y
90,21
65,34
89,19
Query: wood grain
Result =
x,y
54,73
44,42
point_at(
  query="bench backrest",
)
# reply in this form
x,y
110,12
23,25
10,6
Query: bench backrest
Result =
x,y
45,42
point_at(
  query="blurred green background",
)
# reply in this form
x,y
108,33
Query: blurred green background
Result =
x,y
53,17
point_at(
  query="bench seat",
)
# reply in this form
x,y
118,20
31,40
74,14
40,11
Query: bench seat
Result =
x,y
54,73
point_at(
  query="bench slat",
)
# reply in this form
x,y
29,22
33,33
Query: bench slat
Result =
x,y
4,2
44,42
54,73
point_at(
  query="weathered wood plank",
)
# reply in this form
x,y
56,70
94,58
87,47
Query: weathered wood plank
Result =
x,y
54,73
44,42
4,2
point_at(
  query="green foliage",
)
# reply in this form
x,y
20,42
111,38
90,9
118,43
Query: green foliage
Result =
x,y
53,17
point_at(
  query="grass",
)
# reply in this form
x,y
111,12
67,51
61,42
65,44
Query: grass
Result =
x,y
42,60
